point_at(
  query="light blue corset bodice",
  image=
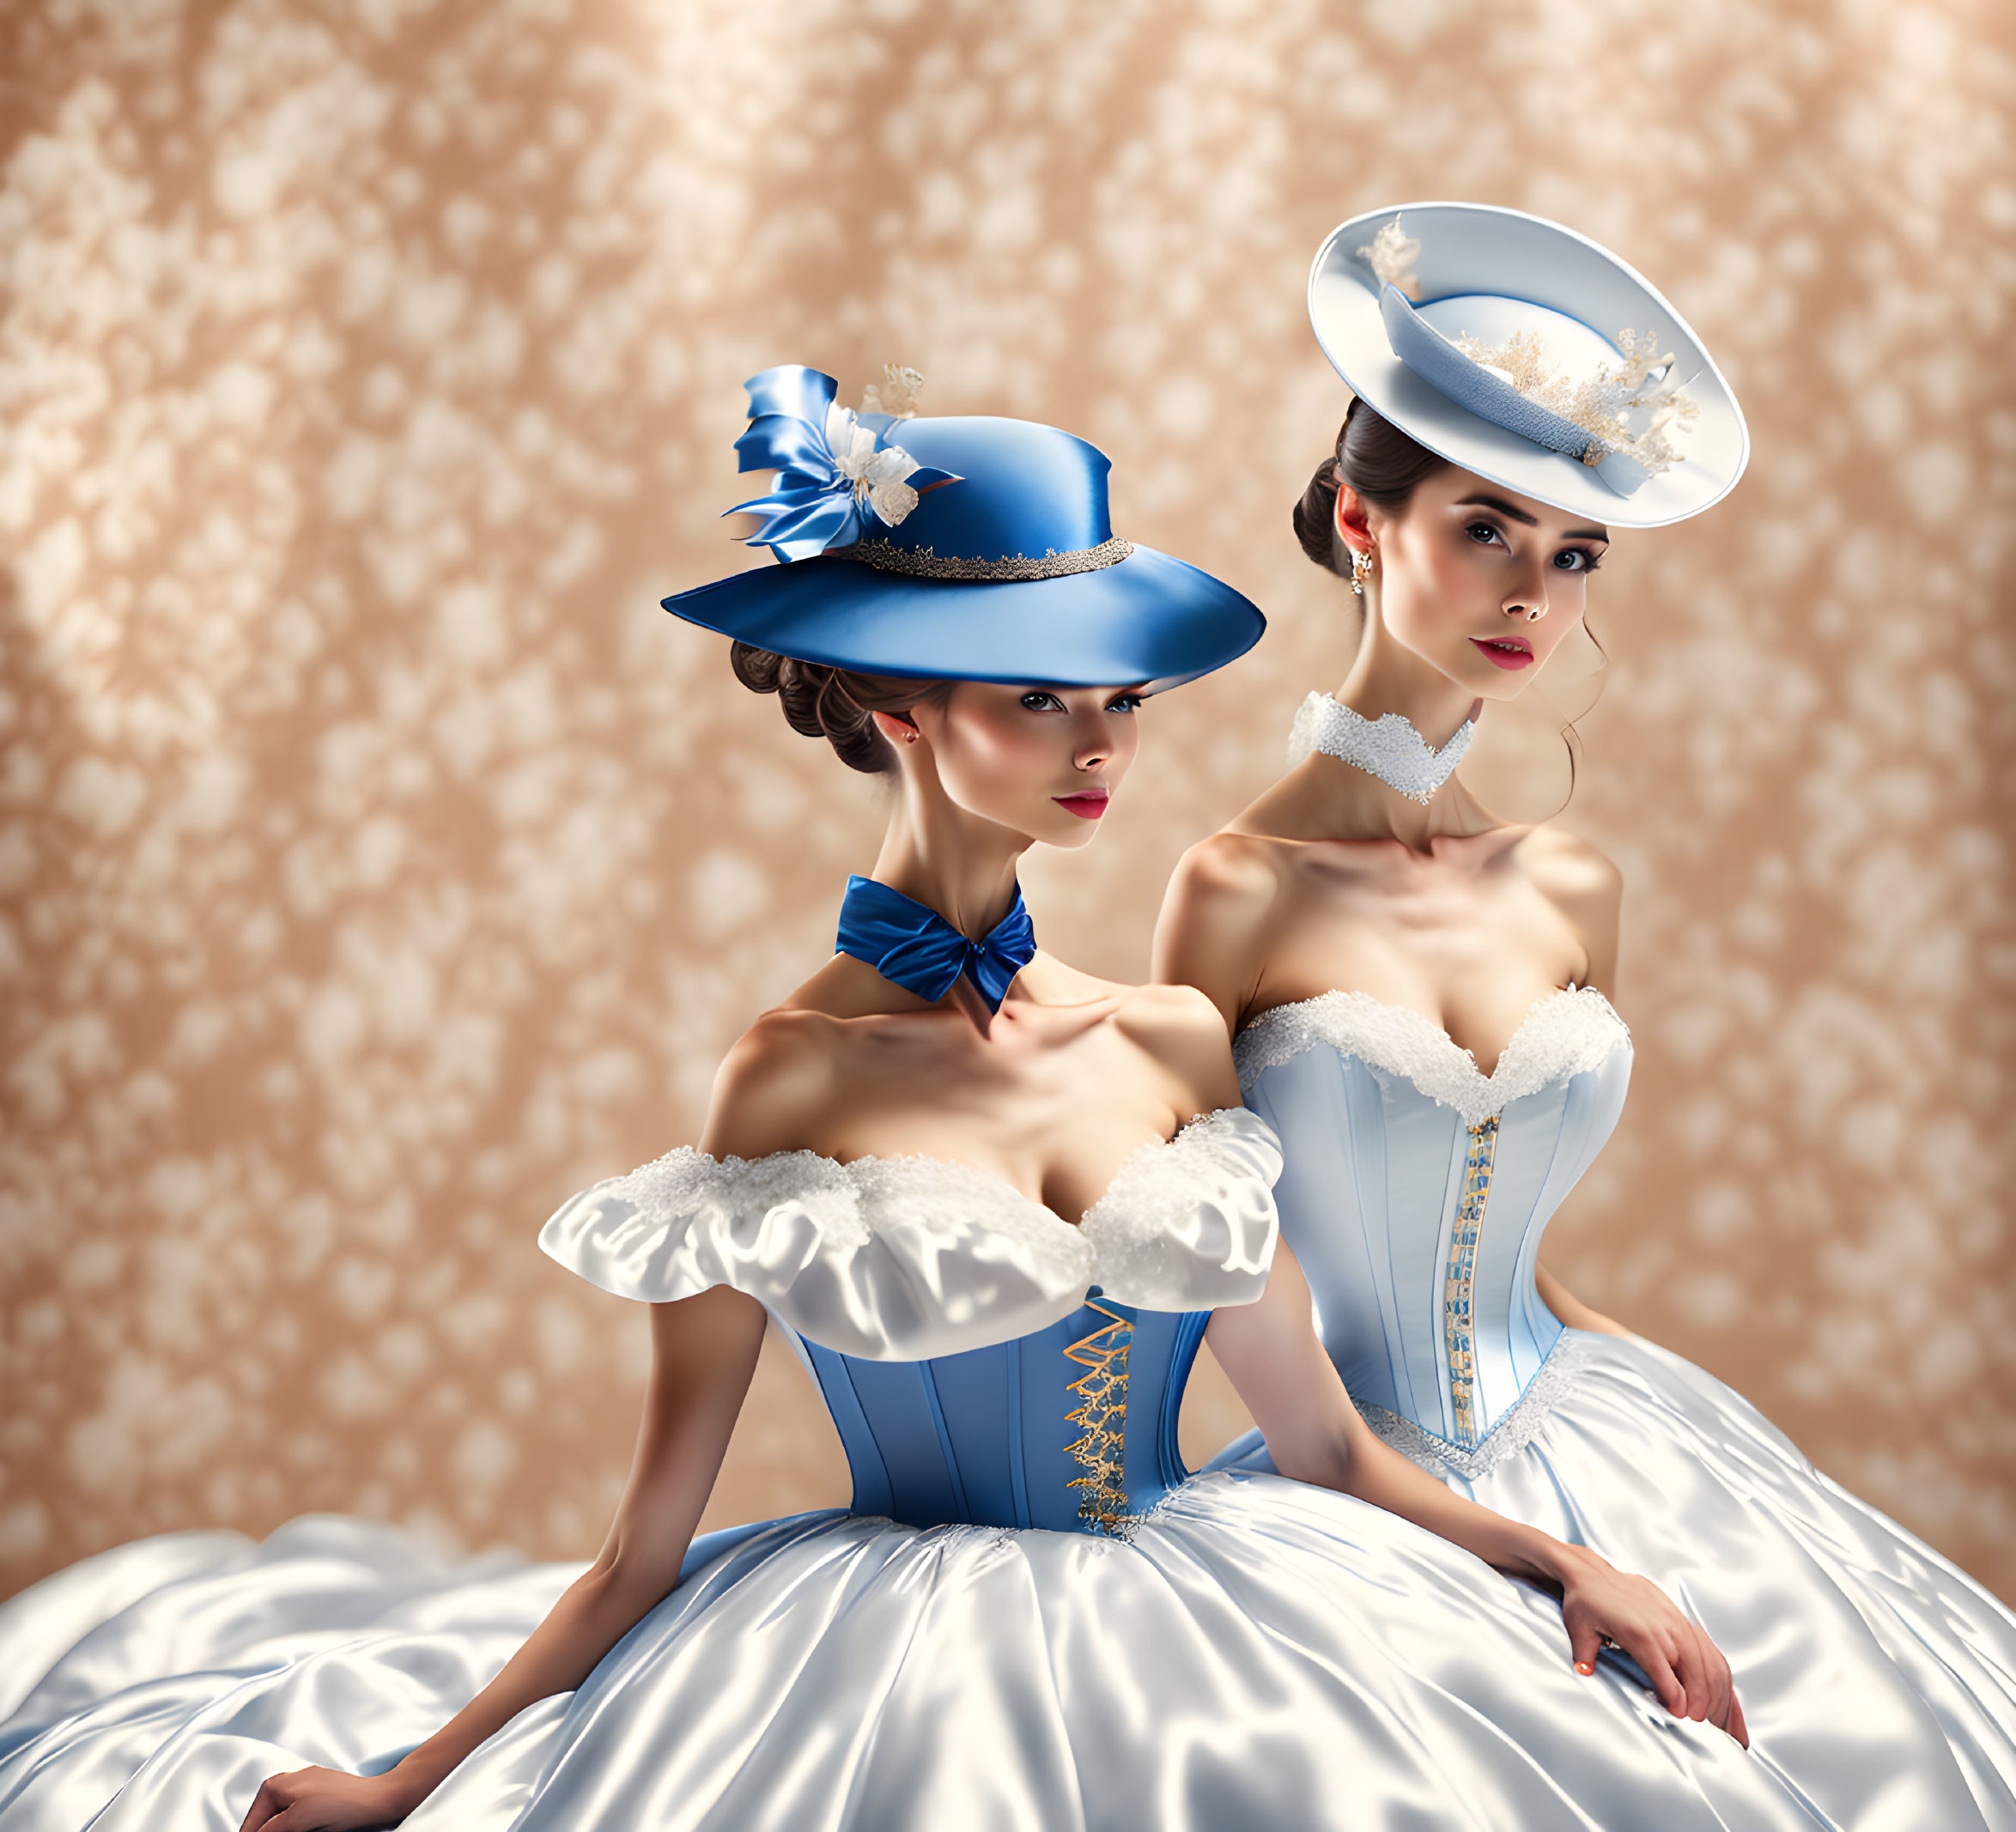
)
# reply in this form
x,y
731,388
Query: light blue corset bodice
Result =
x,y
984,1360
1416,1189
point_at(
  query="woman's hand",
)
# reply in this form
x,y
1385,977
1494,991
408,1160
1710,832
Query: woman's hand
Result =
x,y
1314,1434
326,1800
1687,1670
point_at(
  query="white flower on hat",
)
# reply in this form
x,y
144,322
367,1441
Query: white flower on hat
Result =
x,y
1393,256
896,393
1634,412
876,474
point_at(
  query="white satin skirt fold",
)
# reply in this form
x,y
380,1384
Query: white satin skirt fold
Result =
x,y
156,1685
1862,1655
1875,1675
1260,1655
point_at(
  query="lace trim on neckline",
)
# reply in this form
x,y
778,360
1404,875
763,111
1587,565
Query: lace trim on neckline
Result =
x,y
1519,1426
1563,1035
1173,1162
908,1258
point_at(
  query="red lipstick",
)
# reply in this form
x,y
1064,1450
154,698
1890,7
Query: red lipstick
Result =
x,y
1087,807
1513,653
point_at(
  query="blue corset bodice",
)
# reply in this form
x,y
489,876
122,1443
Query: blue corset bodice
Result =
x,y
1072,1427
985,1361
1416,1189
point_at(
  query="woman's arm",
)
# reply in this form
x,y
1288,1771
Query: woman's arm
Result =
x,y
703,1354
1588,890
1314,1433
1572,1311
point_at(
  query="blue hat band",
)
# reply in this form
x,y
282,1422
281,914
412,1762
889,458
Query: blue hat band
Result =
x,y
920,563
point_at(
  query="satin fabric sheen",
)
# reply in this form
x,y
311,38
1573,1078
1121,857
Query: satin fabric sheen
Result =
x,y
1023,492
1030,1618
902,1260
812,503
1876,1676
1262,1655
910,943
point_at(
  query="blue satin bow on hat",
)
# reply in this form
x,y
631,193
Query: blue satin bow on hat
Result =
x,y
962,548
835,468
904,941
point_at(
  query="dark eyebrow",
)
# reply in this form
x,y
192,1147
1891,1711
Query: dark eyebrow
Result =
x,y
1504,508
1510,513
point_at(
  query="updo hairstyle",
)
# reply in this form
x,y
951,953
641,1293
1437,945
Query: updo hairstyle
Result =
x,y
1378,461
835,704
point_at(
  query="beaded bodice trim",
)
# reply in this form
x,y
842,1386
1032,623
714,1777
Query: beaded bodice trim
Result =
x,y
1459,1279
1521,1424
1564,1035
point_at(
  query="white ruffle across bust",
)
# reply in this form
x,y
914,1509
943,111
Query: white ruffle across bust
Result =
x,y
902,1260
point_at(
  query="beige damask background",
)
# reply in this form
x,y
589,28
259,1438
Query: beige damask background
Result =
x,y
378,863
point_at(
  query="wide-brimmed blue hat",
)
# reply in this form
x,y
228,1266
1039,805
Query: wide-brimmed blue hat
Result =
x,y
1530,355
972,549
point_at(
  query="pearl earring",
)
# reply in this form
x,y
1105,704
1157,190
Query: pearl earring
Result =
x,y
1361,568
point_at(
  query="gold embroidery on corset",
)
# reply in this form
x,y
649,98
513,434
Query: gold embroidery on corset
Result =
x,y
1461,1274
1101,1452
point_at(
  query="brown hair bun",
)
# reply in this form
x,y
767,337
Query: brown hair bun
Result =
x,y
835,704
1378,461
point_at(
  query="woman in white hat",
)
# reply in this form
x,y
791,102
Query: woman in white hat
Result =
x,y
1419,992
970,1181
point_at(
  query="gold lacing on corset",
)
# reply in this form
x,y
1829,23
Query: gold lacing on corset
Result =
x,y
1100,1452
1460,1276
920,563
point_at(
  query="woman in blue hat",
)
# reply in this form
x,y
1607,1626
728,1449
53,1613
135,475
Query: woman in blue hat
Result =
x,y
1420,994
974,1185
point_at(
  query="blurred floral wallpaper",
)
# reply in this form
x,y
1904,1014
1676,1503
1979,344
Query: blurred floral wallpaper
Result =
x,y
379,864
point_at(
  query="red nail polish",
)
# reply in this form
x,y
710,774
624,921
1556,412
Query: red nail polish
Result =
x,y
1585,1667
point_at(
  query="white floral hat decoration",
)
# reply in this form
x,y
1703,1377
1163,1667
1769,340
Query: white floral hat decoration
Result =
x,y
1527,354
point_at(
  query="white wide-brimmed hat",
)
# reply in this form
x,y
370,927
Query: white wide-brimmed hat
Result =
x,y
1520,350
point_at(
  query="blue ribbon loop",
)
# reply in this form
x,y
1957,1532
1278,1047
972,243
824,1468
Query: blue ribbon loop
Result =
x,y
912,945
813,506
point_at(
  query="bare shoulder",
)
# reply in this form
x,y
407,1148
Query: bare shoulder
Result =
x,y
1221,897
1568,869
773,1084
1229,871
1179,1017
1184,1032
1217,915
1588,889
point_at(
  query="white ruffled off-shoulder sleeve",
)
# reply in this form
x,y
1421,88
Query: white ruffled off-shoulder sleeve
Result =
x,y
1191,1224
902,1260
886,1259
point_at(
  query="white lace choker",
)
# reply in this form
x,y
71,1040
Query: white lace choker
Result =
x,y
1387,747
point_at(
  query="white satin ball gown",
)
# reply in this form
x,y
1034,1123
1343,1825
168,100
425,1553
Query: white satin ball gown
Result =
x,y
1030,1618
1876,1676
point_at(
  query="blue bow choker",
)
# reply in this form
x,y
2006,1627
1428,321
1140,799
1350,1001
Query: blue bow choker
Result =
x,y
914,946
